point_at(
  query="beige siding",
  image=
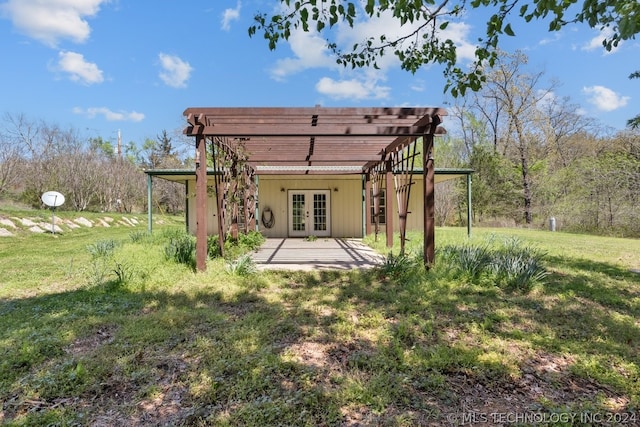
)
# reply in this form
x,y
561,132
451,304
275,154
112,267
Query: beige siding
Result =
x,y
345,195
345,198
212,210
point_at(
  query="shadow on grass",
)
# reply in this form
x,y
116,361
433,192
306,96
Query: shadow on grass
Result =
x,y
321,348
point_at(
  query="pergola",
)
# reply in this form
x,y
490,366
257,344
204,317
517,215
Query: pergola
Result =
x,y
379,143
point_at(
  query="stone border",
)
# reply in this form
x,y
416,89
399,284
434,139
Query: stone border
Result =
x,y
10,226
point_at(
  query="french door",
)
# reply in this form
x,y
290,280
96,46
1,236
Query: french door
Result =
x,y
309,213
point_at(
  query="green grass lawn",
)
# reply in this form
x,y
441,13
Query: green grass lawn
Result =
x,y
128,337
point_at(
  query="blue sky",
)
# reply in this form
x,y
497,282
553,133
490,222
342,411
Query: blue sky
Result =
x,y
109,66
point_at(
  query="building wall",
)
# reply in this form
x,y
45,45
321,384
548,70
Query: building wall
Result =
x,y
345,203
212,210
345,195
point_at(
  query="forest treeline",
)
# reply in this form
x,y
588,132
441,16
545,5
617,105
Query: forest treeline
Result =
x,y
93,174
535,156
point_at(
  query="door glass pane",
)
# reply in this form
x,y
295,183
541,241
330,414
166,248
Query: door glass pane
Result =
x,y
297,211
319,212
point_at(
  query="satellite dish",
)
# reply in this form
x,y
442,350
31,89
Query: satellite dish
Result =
x,y
52,199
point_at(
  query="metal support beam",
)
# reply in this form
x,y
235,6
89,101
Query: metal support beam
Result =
x,y
469,212
201,203
186,205
428,172
149,204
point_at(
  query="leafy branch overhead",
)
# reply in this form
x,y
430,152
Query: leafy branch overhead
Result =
x,y
424,41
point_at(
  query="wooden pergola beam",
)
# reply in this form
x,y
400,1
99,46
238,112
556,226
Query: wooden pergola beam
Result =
x,y
201,203
312,137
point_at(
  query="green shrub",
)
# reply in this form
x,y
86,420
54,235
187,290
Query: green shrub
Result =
x,y
243,266
252,240
102,248
123,272
399,266
138,236
519,268
182,249
508,264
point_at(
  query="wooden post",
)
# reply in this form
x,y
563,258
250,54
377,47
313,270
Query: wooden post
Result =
x,y
220,210
367,204
428,172
389,203
201,203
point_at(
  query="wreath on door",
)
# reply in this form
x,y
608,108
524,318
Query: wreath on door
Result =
x,y
267,218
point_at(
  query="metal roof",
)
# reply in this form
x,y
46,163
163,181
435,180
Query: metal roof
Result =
x,y
182,175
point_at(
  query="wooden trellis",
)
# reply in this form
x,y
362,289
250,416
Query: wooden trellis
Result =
x,y
402,164
377,175
234,188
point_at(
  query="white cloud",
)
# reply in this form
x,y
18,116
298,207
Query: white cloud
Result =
x,y
596,42
310,51
552,38
390,26
175,72
418,85
52,20
604,98
112,116
352,89
230,15
78,69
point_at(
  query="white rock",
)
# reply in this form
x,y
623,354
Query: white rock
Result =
x,y
83,221
36,229
5,233
27,222
47,227
7,222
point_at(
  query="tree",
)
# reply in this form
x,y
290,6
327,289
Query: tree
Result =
x,y
423,40
510,102
159,153
10,160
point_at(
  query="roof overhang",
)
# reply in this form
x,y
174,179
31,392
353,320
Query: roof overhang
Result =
x,y
314,140
183,175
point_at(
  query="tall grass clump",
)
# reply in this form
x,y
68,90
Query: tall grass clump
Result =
x,y
400,267
181,249
242,266
248,242
509,264
138,236
519,268
104,263
102,248
469,260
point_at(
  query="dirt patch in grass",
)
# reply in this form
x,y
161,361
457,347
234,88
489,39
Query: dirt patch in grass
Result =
x,y
91,342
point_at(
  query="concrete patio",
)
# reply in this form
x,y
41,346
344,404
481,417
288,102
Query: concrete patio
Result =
x,y
320,254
